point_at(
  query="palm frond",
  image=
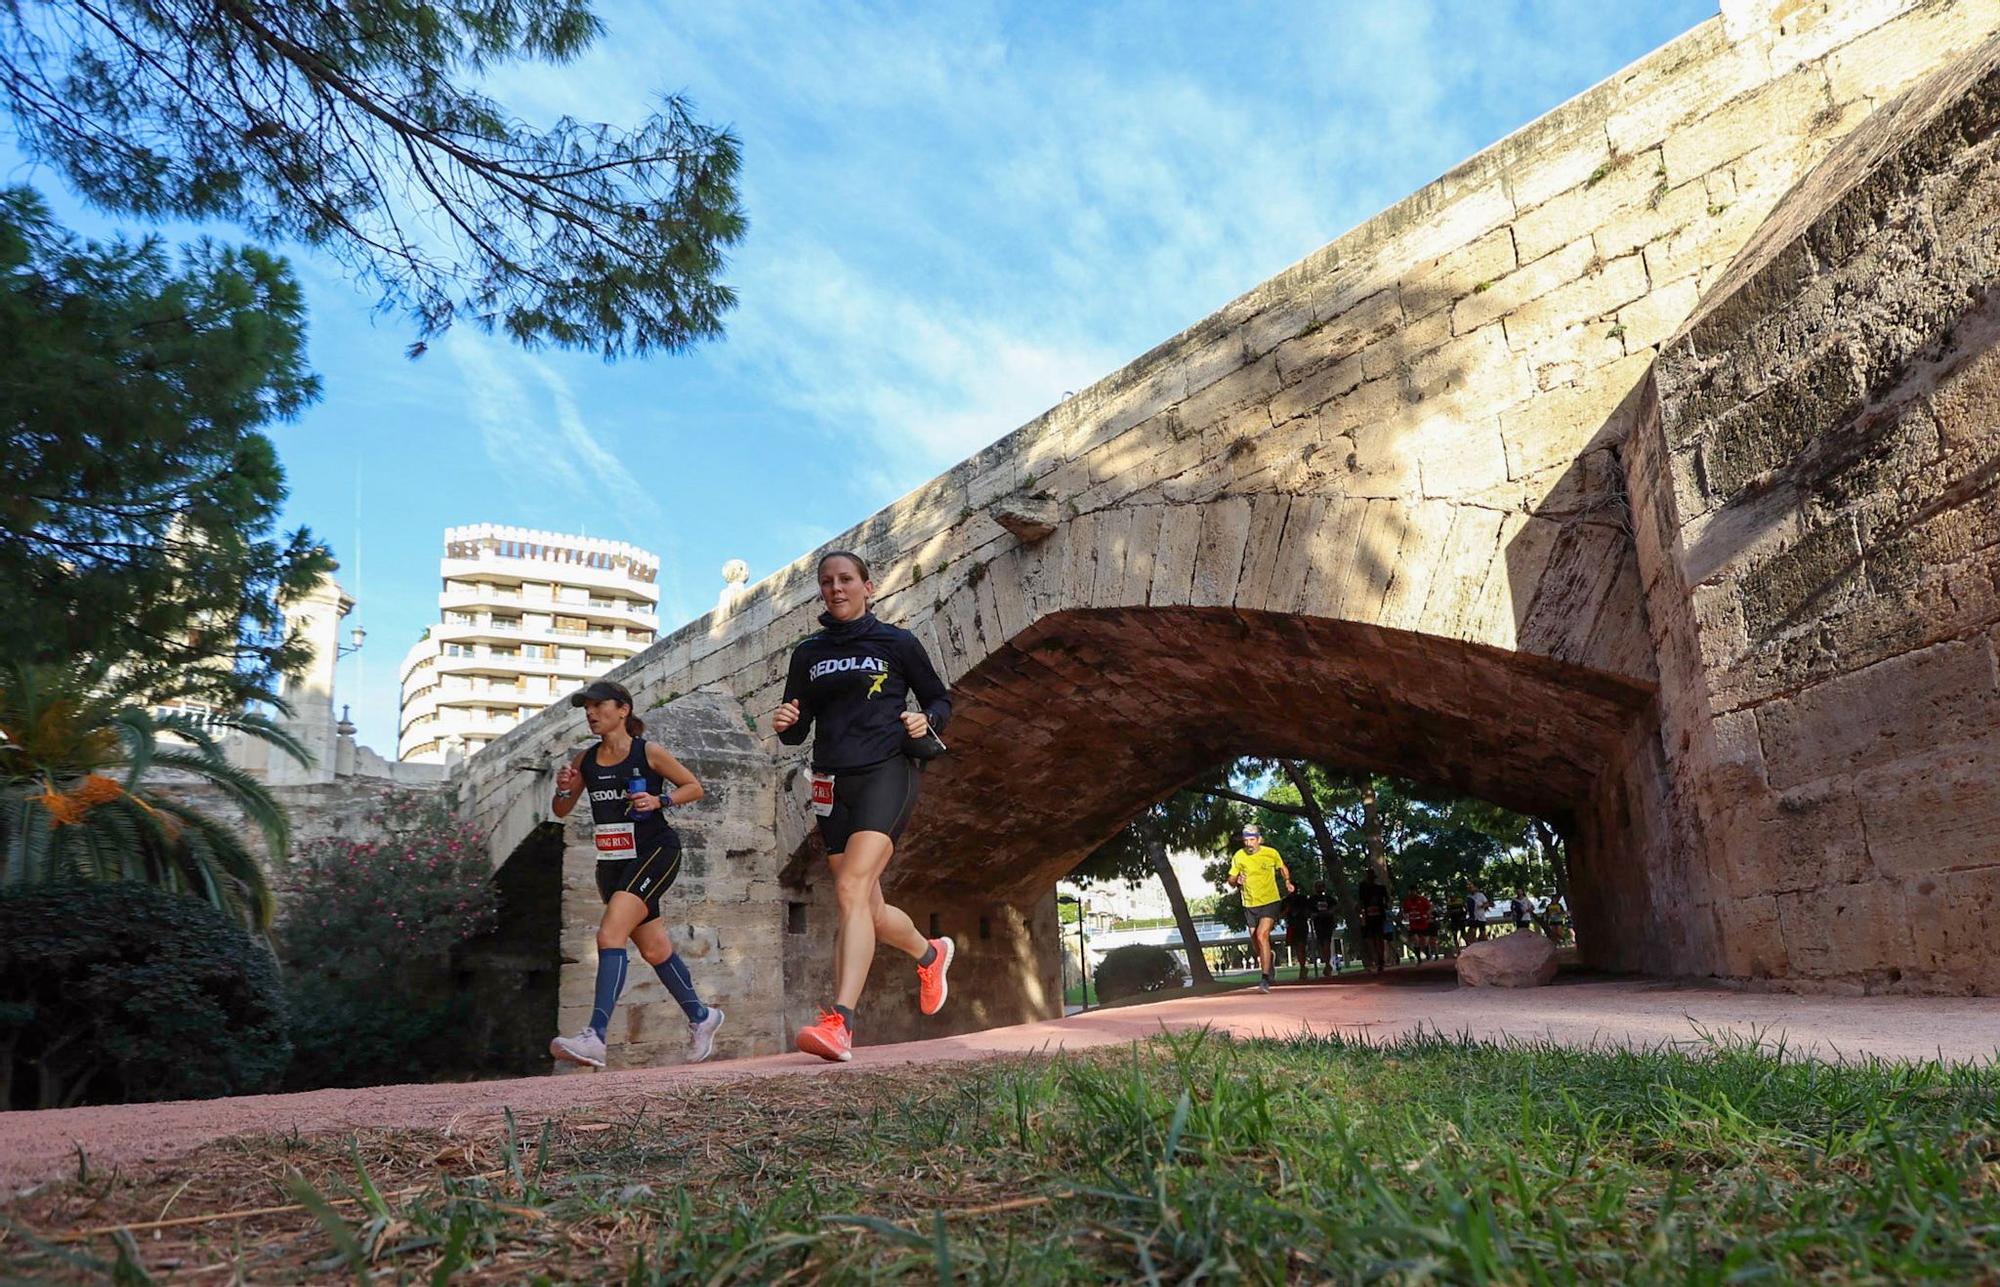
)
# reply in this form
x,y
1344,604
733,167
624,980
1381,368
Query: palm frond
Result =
x,y
260,808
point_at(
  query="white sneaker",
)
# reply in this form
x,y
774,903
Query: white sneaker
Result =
x,y
701,1036
586,1048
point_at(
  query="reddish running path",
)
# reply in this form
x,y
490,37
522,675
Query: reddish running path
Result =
x,y
37,1145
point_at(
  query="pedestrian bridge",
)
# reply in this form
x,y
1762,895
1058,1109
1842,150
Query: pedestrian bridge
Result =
x,y
1549,484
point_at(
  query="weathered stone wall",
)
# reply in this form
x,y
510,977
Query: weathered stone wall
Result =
x,y
1822,539
1375,511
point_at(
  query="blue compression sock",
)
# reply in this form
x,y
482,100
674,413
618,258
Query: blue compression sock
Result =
x,y
610,982
680,985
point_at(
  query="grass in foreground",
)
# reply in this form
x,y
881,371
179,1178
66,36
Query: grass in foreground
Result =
x,y
1185,1157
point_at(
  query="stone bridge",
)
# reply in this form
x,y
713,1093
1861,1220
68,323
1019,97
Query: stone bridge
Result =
x,y
1638,473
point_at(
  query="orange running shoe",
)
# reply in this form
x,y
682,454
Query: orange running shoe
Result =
x,y
931,988
829,1038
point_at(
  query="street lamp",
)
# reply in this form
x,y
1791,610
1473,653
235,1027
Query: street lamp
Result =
x,y
358,635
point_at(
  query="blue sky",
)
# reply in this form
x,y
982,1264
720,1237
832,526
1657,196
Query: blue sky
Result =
x,y
957,212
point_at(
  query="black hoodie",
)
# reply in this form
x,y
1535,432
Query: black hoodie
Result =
x,y
852,679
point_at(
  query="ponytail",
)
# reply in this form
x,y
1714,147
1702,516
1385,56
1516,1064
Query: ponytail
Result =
x,y
634,726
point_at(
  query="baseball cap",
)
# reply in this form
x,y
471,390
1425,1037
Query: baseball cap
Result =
x,y
601,690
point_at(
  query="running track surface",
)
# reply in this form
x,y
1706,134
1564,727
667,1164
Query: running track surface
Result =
x,y
1575,1011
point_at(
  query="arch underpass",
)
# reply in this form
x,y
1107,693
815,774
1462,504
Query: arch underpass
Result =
x,y
1560,484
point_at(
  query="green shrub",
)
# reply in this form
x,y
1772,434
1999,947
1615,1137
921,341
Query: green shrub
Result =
x,y
368,930
1136,968
121,992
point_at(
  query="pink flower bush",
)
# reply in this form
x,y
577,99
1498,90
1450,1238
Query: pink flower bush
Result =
x,y
420,893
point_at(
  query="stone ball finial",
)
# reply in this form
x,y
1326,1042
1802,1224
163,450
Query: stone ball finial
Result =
x,y
736,572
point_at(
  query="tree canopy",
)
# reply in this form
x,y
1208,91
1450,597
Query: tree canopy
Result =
x,y
348,127
136,521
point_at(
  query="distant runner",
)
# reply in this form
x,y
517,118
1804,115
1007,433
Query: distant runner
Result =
x,y
1371,913
631,783
1255,870
1325,917
852,680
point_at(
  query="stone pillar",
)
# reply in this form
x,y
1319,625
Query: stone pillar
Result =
x,y
316,615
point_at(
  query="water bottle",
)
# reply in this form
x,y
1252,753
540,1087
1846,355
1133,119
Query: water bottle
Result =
x,y
637,786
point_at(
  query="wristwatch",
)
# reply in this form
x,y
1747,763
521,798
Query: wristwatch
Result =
x,y
564,795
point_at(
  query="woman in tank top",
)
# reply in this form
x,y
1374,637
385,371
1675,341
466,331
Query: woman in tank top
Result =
x,y
630,783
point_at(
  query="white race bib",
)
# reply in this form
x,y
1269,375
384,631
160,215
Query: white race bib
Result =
x,y
615,840
822,794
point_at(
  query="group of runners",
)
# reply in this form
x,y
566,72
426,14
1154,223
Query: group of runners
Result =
x,y
847,687
1312,918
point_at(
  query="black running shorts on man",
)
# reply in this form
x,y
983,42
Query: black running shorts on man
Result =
x,y
636,853
880,798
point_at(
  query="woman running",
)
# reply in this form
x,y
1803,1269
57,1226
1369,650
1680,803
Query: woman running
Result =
x,y
851,680
630,783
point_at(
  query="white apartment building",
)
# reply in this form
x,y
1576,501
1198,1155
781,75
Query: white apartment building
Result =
x,y
525,619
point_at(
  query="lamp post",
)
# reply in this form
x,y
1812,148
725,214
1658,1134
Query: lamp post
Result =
x,y
358,635
1082,944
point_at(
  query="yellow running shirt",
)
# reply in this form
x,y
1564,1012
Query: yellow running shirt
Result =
x,y
1260,875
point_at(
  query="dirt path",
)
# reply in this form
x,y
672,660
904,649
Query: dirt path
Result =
x,y
36,1146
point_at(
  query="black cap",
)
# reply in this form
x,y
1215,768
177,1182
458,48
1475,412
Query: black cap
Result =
x,y
601,690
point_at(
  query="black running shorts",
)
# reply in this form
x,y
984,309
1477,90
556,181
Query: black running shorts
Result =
x,y
880,798
1262,912
648,877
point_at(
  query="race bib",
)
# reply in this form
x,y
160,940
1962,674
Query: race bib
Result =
x,y
822,794
615,839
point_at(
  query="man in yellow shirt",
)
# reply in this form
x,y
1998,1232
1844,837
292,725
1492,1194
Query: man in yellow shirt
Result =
x,y
1256,870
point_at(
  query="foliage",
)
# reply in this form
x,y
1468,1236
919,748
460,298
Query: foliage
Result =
x,y
1135,969
1435,840
368,936
68,735
1184,1158
351,127
140,492
112,993
367,907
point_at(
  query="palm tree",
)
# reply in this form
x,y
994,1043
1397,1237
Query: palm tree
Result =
x,y
75,754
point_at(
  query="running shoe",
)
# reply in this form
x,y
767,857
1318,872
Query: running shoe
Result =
x,y
829,1038
586,1048
931,988
1264,985
701,1036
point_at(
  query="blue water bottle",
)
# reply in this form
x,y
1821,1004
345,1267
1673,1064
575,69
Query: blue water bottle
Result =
x,y
637,786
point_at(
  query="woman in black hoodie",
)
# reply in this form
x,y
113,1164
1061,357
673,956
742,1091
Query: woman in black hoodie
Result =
x,y
852,680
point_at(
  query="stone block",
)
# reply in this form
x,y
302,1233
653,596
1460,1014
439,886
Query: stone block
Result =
x,y
1599,293
1458,459
1030,518
1330,552
1329,342
1934,812
1888,59
1225,530
1783,107
1269,513
1560,426
1652,319
1393,356
1435,286
1622,184
1520,960
1752,942
1882,713
1317,388
1783,842
1665,211
1671,93
1499,296
1173,566
1845,929
1559,168
1797,587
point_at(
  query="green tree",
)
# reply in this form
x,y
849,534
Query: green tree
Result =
x,y
76,802
140,493
349,127
1187,820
